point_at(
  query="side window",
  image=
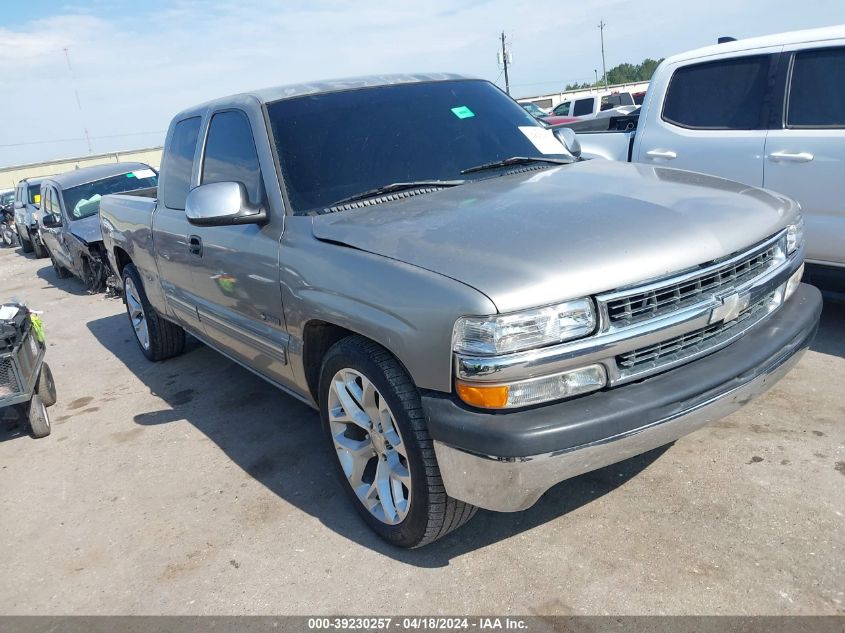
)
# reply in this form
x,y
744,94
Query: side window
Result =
x,y
727,94
178,161
563,109
582,107
230,154
48,203
817,90
53,202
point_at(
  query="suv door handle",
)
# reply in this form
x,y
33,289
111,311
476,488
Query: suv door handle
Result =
x,y
667,154
791,157
195,245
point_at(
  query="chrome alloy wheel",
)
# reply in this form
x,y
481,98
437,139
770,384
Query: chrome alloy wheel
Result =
x,y
369,446
136,313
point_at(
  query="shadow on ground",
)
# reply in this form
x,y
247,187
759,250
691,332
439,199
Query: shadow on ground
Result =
x,y
831,337
72,285
278,441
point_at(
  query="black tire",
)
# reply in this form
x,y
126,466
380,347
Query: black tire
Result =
x,y
26,245
38,247
39,421
166,339
61,271
432,513
46,386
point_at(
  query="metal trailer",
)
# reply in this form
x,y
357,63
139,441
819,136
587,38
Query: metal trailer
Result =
x,y
26,382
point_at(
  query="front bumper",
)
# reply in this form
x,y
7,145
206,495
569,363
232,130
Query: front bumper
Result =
x,y
506,461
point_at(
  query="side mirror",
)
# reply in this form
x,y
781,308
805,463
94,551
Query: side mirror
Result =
x,y
18,204
569,140
222,204
51,221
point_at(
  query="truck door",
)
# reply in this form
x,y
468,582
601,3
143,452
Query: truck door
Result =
x,y
236,268
54,238
712,118
170,226
805,157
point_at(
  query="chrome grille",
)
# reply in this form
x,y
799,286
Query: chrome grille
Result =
x,y
8,380
696,342
661,299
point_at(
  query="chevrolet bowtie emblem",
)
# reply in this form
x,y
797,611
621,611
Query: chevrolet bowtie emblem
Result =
x,y
731,307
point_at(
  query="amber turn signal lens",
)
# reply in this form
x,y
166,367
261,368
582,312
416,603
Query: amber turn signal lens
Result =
x,y
483,396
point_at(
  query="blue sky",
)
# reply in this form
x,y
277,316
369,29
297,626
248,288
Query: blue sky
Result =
x,y
137,63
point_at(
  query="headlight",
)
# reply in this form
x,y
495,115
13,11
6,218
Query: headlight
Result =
x,y
795,235
506,333
792,283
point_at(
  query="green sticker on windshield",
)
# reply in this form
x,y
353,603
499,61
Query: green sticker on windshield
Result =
x,y
463,112
130,175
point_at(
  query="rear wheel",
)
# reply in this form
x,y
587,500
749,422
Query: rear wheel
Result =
x,y
46,386
38,247
373,418
26,245
39,421
158,338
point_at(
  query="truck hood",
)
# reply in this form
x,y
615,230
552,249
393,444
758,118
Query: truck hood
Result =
x,y
87,229
533,238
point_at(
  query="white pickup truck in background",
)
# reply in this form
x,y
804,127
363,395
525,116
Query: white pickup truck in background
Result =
x,y
768,112
597,106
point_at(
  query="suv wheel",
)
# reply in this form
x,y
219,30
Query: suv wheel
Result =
x,y
373,419
26,244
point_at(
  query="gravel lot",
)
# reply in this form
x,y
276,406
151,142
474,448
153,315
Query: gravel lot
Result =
x,y
192,487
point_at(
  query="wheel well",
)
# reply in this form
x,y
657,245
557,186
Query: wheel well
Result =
x,y
317,338
122,258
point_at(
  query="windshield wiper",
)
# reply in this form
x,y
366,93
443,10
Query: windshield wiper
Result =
x,y
398,186
516,160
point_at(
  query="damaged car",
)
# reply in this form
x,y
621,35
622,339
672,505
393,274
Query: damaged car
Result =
x,y
70,222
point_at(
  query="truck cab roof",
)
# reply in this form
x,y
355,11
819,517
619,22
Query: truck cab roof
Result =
x,y
765,41
288,91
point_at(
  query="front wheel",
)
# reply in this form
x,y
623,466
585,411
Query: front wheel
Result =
x,y
373,419
39,421
158,338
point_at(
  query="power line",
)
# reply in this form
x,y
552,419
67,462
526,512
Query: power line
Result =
x,y
80,138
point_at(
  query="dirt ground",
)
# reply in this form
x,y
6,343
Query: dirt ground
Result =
x,y
192,487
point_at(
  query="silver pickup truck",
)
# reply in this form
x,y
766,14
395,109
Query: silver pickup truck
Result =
x,y
476,314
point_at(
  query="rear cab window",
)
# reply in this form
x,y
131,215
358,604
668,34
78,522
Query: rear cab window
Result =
x,y
817,89
178,163
583,107
728,94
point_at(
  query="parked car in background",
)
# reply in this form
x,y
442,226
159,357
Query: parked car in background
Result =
x,y
558,120
27,200
768,112
597,105
70,221
473,311
534,110
8,233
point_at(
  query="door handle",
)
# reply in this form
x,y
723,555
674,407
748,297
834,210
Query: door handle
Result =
x,y
195,245
791,157
666,154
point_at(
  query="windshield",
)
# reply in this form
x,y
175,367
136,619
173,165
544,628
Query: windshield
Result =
x,y
7,198
84,200
335,145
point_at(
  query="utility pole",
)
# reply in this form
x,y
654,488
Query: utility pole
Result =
x,y
76,94
603,67
505,64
